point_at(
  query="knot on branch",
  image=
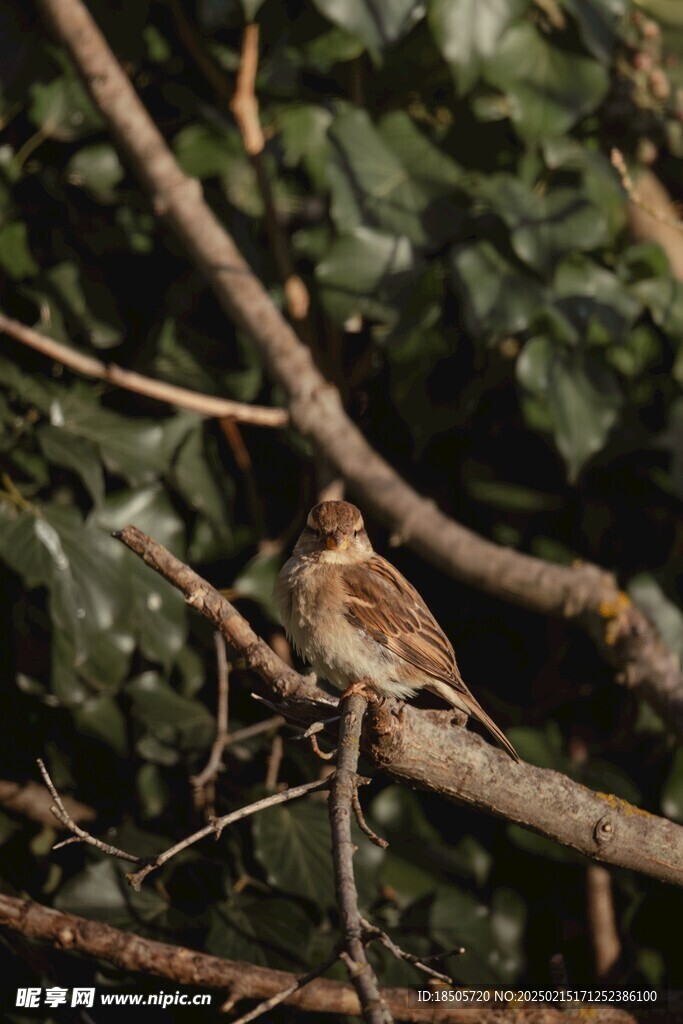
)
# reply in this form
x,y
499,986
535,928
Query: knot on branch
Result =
x,y
382,731
604,830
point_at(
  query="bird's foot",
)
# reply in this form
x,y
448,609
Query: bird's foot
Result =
x,y
363,687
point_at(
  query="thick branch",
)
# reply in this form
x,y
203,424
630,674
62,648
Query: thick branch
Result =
x,y
583,592
88,366
340,805
423,748
32,801
245,981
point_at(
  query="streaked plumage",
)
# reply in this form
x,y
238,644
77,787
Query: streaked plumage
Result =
x,y
352,615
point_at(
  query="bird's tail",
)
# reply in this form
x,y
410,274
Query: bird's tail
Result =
x,y
465,701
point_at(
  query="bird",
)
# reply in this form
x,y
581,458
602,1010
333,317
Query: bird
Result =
x,y
354,618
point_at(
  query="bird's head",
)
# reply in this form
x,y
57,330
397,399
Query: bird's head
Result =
x,y
335,530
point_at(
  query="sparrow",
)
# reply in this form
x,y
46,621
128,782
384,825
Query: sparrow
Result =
x,y
352,616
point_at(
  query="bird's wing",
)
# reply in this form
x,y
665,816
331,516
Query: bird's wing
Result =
x,y
381,602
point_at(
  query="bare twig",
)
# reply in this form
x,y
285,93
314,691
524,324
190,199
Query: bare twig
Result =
x,y
204,783
286,993
602,921
257,729
274,762
216,827
245,107
362,823
583,593
662,212
342,790
371,931
184,966
79,834
424,749
207,405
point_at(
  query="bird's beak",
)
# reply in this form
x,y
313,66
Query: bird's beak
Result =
x,y
337,541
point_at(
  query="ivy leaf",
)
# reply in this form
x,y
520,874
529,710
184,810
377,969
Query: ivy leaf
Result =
x,y
581,397
75,453
548,89
292,841
468,32
378,25
498,299
259,931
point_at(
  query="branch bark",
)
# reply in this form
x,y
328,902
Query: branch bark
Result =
x,y
88,366
424,749
584,593
246,981
340,805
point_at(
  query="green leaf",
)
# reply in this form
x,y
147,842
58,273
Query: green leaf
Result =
x,y
292,842
201,482
303,132
598,22
378,25
158,614
497,298
548,89
75,453
361,273
260,931
62,109
648,595
205,152
15,255
97,169
152,790
544,226
251,8
170,717
257,579
102,718
87,302
467,32
582,397
371,183
458,919
101,893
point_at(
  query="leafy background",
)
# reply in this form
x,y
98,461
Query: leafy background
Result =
x,y
442,175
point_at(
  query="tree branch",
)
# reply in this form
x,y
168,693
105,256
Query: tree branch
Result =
x,y
246,981
88,366
424,749
340,804
584,593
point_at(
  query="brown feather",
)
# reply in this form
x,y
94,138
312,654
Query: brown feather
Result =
x,y
382,603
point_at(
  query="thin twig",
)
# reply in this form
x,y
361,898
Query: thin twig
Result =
x,y
207,405
373,932
276,1000
204,782
257,729
342,789
324,755
216,827
629,186
274,762
362,823
245,107
602,921
80,835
